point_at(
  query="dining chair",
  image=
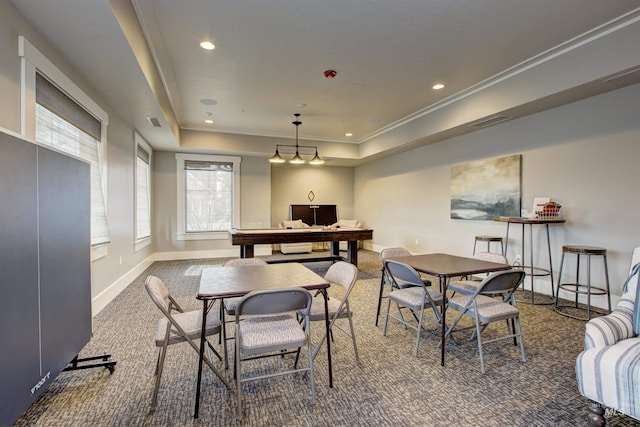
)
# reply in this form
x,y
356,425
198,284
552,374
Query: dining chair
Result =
x,y
266,325
414,295
485,309
228,305
343,274
385,281
178,326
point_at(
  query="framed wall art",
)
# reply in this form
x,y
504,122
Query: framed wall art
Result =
x,y
485,189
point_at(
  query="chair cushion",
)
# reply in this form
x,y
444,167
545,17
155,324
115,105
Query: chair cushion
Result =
x,y
489,309
230,305
412,297
611,375
465,287
317,308
190,322
353,223
270,333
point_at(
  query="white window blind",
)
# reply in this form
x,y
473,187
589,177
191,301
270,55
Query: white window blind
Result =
x,y
65,125
208,195
143,194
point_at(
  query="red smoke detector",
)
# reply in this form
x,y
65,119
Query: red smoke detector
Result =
x,y
329,74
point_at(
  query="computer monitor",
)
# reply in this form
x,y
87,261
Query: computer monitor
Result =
x,y
315,214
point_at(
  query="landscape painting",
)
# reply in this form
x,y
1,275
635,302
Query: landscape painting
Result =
x,y
485,189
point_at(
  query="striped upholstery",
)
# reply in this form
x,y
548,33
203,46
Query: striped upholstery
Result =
x,y
608,370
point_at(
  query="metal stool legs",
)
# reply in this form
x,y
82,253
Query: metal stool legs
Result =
x,y
578,288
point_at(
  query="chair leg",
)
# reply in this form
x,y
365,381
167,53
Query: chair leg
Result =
x,y
238,376
310,366
479,338
380,297
161,357
386,318
415,351
353,338
519,332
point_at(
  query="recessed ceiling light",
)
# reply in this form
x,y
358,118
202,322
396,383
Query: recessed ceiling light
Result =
x,y
348,134
207,45
207,101
208,121
438,86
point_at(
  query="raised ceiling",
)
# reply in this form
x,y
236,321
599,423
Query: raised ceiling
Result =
x,y
270,57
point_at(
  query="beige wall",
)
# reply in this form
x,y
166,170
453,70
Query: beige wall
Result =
x,y
583,155
291,184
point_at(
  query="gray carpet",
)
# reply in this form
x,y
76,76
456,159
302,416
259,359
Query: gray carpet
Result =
x,y
391,387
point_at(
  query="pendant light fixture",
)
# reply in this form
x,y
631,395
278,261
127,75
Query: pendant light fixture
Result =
x,y
297,159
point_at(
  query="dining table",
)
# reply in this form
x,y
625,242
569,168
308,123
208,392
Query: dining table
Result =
x,y
444,267
219,283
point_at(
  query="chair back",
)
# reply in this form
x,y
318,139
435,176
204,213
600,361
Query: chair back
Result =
x,y
393,252
274,301
240,262
159,294
502,282
342,273
402,275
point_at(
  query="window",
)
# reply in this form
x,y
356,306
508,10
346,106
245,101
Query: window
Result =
x,y
142,192
56,112
63,124
208,195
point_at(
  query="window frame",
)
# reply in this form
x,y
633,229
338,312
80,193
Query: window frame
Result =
x,y
31,60
181,233
141,144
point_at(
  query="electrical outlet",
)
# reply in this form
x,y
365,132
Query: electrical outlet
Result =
x,y
518,260
416,241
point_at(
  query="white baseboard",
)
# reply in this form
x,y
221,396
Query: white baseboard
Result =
x,y
101,300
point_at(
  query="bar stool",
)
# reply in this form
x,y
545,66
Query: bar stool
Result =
x,y
577,288
488,239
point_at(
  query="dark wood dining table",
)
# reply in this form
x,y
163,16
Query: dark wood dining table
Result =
x,y
218,283
444,267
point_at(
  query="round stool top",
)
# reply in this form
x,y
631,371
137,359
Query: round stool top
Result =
x,y
489,238
590,250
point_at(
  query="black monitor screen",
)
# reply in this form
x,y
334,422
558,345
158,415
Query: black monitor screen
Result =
x,y
315,214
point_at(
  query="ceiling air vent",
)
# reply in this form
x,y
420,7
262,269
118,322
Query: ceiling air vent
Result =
x,y
490,121
154,121
623,76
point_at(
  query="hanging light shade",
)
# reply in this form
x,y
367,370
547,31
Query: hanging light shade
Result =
x,y
297,159
277,158
317,160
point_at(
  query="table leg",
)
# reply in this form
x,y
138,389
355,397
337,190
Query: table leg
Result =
x,y
352,252
246,251
328,335
335,249
553,292
443,312
201,357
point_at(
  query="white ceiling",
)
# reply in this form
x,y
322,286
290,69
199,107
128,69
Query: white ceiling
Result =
x,y
271,54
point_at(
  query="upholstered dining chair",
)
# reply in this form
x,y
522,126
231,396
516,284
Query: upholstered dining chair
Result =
x,y
484,309
343,274
228,305
178,326
384,279
266,325
410,291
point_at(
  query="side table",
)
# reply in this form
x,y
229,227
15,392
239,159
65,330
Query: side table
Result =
x,y
531,270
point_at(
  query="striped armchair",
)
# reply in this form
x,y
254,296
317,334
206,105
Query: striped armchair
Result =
x,y
608,371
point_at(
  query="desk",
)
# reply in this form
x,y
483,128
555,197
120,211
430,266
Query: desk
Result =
x,y
230,282
444,266
532,270
246,238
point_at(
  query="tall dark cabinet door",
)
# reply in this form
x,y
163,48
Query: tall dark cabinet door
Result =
x,y
20,368
65,257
